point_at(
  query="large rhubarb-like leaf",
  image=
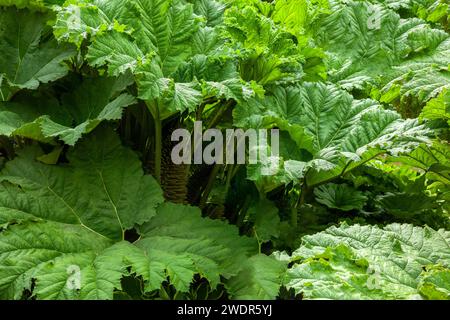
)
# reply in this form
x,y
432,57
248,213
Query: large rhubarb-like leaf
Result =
x,y
340,133
186,244
86,105
29,56
340,196
89,191
158,41
69,261
63,227
438,108
366,262
260,278
371,46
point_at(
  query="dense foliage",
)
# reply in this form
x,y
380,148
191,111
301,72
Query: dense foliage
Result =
x,y
92,206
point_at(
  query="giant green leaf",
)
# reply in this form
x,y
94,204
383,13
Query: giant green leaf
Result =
x,y
126,56
29,55
340,196
260,278
63,227
429,10
49,252
210,9
367,262
23,116
438,108
157,41
434,160
86,105
180,235
165,27
90,191
77,20
159,44
435,283
270,54
371,46
338,131
89,103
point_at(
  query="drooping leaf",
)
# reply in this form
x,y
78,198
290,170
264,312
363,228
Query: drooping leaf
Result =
x,y
29,57
260,278
438,108
24,115
339,132
87,105
118,51
403,204
264,215
340,196
93,101
431,159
